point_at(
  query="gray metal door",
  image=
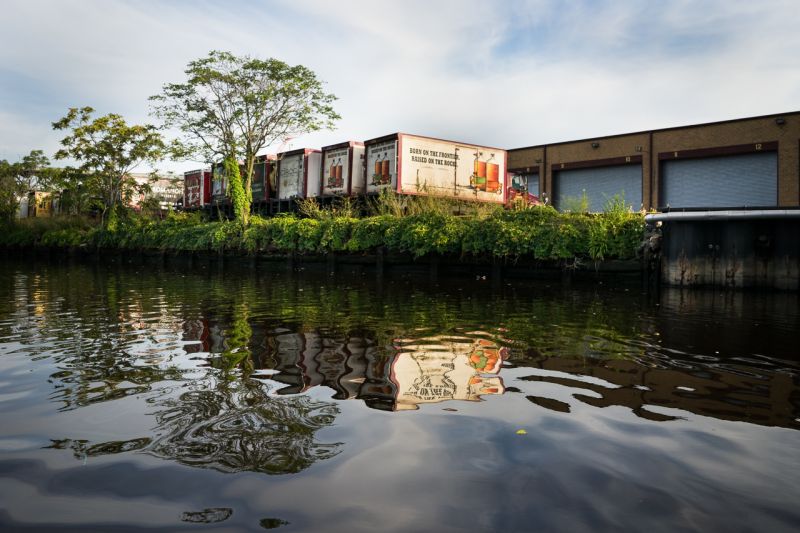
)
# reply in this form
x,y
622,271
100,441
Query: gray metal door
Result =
x,y
727,181
533,184
600,185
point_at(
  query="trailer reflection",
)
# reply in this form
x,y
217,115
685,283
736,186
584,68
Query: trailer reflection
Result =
x,y
411,372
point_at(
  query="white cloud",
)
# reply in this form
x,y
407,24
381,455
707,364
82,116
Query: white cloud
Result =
x,y
499,73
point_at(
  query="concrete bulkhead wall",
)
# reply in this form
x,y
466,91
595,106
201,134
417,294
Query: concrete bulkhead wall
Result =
x,y
732,253
708,140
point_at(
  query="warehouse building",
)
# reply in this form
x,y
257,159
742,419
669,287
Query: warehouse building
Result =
x,y
744,163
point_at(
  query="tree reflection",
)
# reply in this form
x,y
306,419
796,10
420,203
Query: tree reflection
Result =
x,y
236,426
236,338
123,337
229,426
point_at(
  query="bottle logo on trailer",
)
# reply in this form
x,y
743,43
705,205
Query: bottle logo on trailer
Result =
x,y
336,178
382,174
485,175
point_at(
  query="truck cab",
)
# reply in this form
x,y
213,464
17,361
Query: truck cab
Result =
x,y
520,187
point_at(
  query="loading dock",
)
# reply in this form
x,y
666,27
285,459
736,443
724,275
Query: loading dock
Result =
x,y
736,180
599,184
746,162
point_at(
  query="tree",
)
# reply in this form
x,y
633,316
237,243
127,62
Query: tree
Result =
x,y
75,188
34,171
17,179
108,149
232,107
9,191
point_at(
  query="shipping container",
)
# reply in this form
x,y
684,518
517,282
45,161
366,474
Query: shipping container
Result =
x,y
343,169
263,185
196,188
299,174
412,164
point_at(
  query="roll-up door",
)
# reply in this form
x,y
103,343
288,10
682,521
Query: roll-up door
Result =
x,y
533,184
726,181
600,185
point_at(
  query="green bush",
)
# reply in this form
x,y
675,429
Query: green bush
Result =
x,y
335,233
65,238
540,233
369,233
72,230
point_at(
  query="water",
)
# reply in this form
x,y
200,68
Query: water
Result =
x,y
135,397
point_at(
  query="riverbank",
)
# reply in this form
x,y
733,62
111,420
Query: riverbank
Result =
x,y
540,235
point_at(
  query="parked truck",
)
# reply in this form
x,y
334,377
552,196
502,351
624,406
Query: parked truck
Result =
x,y
343,169
196,188
413,164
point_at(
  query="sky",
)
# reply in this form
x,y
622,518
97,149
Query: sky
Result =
x,y
505,73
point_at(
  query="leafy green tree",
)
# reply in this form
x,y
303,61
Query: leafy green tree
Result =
x,y
34,171
77,190
108,149
231,107
17,179
9,190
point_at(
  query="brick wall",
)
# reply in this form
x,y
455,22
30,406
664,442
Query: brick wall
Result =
x,y
712,139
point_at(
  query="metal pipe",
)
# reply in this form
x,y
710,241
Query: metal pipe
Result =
x,y
651,171
733,214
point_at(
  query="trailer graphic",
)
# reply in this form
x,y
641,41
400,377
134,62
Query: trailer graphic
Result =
x,y
343,169
412,164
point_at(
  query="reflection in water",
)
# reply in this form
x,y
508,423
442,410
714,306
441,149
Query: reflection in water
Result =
x,y
272,523
709,389
231,427
208,412
207,516
239,428
437,369
248,374
415,371
398,352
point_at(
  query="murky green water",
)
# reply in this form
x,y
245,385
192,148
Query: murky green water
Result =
x,y
140,397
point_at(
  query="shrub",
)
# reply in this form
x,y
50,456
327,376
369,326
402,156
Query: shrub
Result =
x,y
369,233
539,232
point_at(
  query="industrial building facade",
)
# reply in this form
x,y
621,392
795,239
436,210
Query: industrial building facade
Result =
x,y
749,162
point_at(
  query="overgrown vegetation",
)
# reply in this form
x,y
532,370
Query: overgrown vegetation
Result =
x,y
419,226
19,178
108,149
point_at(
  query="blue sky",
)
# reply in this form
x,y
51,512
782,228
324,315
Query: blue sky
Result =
x,y
503,73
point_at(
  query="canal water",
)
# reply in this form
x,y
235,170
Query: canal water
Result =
x,y
139,396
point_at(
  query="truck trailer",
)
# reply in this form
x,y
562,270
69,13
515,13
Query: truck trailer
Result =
x,y
298,174
343,169
196,188
263,185
413,164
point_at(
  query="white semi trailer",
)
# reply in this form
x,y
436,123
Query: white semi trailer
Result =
x,y
343,169
413,164
298,174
